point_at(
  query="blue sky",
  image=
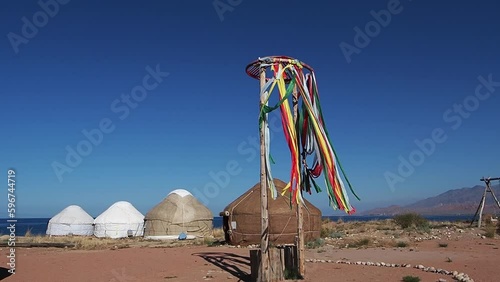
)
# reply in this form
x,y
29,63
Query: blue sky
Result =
x,y
418,74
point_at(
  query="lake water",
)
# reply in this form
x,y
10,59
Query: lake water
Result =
x,y
38,226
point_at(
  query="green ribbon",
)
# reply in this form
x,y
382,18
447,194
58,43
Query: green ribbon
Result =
x,y
265,109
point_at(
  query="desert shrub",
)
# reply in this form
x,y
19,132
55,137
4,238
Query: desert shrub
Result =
x,y
360,243
364,242
487,219
401,244
490,230
325,232
315,244
410,278
408,220
329,232
336,235
443,245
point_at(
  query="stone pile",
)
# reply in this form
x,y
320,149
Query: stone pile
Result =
x,y
459,276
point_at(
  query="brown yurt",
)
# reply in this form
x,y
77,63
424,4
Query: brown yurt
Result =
x,y
179,212
242,220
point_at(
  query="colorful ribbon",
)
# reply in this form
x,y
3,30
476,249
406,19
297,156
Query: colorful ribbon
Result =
x,y
305,137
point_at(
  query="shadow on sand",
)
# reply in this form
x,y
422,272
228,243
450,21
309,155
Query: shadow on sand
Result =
x,y
229,262
4,273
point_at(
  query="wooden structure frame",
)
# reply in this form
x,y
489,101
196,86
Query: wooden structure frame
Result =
x,y
480,208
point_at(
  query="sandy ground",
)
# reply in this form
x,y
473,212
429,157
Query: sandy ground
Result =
x,y
479,258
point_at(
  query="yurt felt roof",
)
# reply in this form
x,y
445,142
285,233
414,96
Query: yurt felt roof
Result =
x,y
72,215
179,200
120,212
249,202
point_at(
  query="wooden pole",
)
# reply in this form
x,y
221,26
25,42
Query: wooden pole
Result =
x,y
264,270
482,207
475,215
300,212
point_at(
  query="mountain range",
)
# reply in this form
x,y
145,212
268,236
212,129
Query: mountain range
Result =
x,y
462,201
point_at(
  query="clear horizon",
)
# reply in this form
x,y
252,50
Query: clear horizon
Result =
x,y
127,101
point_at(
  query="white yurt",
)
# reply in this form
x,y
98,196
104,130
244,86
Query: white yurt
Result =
x,y
72,220
120,220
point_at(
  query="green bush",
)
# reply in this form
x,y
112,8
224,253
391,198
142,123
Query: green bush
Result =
x,y
414,220
411,279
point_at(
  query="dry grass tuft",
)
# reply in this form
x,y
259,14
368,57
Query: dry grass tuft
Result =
x,y
28,233
218,233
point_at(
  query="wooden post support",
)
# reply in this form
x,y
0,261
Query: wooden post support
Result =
x,y
264,270
475,215
281,262
255,260
300,212
481,209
